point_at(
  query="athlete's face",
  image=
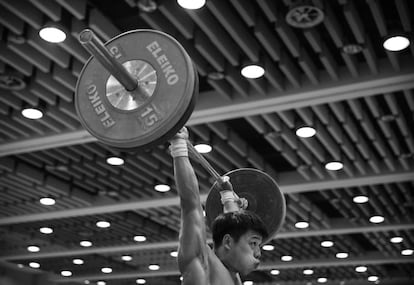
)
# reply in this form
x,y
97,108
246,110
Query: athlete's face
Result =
x,y
246,252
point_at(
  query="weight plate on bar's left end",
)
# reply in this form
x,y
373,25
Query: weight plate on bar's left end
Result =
x,y
186,115
144,123
262,193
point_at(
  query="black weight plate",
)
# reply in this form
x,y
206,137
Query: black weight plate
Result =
x,y
135,123
186,114
262,193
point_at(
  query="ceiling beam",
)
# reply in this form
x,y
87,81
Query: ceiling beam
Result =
x,y
289,183
339,228
212,107
367,259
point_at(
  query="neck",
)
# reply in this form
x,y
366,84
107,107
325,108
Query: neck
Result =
x,y
226,260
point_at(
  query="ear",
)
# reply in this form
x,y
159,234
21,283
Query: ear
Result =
x,y
227,241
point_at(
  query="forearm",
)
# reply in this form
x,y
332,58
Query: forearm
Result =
x,y
187,185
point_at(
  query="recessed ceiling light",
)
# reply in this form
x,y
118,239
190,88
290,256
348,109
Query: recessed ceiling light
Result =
x,y
66,273
106,270
376,219
341,255
101,283
47,201
32,113
85,243
327,243
153,267
33,248
174,253
140,238
215,75
46,230
20,265
361,269
322,280
52,34
103,224
334,165
77,261
308,271
268,247
286,258
373,278
302,225
252,71
305,132
352,48
114,160
203,148
141,281
34,265
396,43
248,282
126,258
162,188
274,272
360,199
191,4
407,252
396,239
86,282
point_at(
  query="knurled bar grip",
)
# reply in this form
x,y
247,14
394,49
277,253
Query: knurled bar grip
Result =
x,y
95,47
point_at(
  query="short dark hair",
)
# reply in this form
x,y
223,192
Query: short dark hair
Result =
x,y
236,224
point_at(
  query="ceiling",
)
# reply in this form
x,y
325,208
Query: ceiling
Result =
x,y
361,106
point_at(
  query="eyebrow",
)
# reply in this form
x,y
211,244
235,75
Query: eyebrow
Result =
x,y
256,237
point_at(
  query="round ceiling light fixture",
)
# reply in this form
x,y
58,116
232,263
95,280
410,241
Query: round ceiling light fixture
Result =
x,y
32,113
52,34
203,148
360,199
162,188
305,132
115,161
275,272
396,43
47,201
191,4
334,165
46,230
252,71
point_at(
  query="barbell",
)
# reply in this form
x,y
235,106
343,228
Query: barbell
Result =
x,y
138,90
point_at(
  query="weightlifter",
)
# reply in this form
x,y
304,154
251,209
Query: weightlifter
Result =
x,y
237,235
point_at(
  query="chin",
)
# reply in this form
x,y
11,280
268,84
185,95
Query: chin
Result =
x,y
247,271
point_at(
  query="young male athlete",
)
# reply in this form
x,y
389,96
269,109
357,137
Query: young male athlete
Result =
x,y
237,235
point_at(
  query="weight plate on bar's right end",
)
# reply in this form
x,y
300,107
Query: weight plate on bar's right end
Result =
x,y
137,120
262,193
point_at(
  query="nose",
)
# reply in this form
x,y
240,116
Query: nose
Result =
x,y
257,253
